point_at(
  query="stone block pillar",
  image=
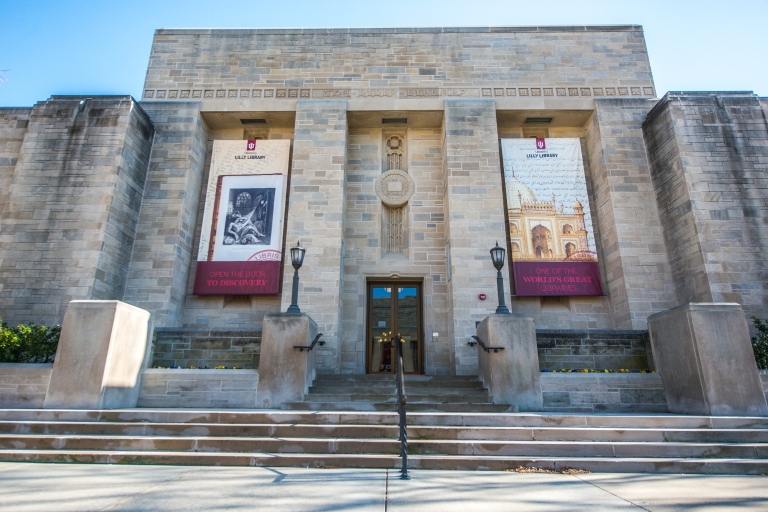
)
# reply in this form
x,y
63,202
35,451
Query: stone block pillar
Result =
x,y
511,375
70,211
164,250
474,217
285,373
316,217
703,353
102,350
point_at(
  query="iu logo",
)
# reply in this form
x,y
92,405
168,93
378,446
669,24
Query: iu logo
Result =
x,y
252,145
540,143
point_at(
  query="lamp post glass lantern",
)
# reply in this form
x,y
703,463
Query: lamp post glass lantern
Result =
x,y
497,256
297,259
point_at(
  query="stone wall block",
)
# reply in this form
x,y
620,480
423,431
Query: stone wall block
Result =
x,y
102,351
703,353
512,374
286,373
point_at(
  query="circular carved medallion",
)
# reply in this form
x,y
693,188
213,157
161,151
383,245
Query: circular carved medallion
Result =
x,y
395,188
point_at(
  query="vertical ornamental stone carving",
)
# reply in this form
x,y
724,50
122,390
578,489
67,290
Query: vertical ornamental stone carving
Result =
x,y
394,188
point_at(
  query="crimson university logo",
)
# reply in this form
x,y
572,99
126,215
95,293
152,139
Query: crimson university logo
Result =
x,y
251,146
540,143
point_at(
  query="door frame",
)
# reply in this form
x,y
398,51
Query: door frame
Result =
x,y
393,282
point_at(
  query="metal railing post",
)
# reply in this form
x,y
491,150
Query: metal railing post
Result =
x,y
401,400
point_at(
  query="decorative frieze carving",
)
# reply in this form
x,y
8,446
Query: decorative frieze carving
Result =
x,y
400,93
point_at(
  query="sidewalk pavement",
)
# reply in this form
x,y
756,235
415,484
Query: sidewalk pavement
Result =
x,y
97,487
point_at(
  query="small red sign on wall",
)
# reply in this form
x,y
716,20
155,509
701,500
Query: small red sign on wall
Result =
x,y
251,146
540,143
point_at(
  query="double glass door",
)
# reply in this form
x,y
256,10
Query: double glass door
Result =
x,y
394,313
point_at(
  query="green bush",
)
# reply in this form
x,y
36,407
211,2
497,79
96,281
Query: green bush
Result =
x,y
760,343
28,343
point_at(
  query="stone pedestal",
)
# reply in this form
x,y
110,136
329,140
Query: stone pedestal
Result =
x,y
102,351
511,375
285,373
703,353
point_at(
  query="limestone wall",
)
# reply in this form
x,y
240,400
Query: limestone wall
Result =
x,y
709,156
13,127
69,219
424,255
266,69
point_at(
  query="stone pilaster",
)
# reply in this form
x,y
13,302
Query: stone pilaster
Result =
x,y
634,258
163,251
315,216
474,214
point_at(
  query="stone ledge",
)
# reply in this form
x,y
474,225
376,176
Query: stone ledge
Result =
x,y
398,30
183,388
24,385
603,392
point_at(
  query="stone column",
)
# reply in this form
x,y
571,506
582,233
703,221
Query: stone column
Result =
x,y
475,218
703,353
512,374
285,372
315,216
163,252
102,350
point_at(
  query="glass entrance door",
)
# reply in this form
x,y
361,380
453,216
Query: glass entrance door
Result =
x,y
394,310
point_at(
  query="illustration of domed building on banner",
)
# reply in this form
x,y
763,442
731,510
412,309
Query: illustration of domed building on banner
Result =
x,y
539,231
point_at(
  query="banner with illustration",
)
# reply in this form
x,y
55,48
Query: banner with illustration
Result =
x,y
550,226
241,241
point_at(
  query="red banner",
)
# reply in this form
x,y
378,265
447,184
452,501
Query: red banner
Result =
x,y
237,278
536,278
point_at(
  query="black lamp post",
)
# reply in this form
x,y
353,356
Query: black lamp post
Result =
x,y
297,258
497,256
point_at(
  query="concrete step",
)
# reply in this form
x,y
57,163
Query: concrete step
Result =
x,y
415,433
384,446
391,390
412,398
375,377
473,462
364,405
351,417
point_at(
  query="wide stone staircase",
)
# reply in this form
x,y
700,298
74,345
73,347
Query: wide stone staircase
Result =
x,y
454,393
368,439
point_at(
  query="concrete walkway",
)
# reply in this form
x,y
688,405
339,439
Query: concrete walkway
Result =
x,y
77,487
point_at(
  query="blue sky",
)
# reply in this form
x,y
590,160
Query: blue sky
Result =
x,y
102,47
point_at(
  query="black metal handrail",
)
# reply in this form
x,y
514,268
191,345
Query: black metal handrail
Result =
x,y
401,400
311,345
482,345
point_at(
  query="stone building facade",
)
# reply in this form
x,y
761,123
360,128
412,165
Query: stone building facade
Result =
x,y
102,196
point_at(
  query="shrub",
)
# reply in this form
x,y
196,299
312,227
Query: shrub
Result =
x,y
760,343
28,343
